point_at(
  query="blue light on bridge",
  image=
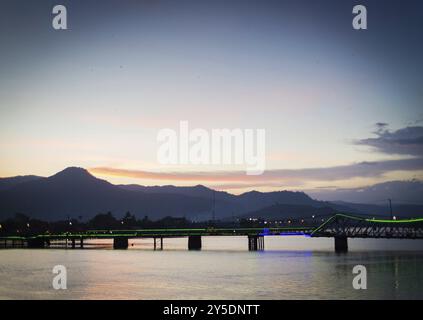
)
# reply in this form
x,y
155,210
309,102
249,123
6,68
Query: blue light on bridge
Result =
x,y
265,232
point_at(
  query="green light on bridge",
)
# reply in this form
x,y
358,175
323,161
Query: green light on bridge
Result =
x,y
395,221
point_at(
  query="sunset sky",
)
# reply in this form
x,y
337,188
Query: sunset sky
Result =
x,y
341,107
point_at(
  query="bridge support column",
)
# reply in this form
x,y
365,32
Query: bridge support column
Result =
x,y
255,243
260,243
194,243
120,243
161,244
341,244
36,243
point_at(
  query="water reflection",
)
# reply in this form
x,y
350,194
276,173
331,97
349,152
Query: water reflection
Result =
x,y
294,268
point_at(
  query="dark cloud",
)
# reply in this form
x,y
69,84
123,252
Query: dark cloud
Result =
x,y
362,169
381,127
405,141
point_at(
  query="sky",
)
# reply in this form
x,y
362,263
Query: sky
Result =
x,y
342,108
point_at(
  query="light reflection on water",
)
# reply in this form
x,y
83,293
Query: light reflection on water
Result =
x,y
290,268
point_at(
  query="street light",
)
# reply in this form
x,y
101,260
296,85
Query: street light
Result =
x,y
390,208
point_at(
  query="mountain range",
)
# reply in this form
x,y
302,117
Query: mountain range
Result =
x,y
75,193
410,192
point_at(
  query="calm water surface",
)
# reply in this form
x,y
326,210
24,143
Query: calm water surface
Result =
x,y
290,268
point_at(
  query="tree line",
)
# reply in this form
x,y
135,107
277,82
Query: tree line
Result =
x,y
21,224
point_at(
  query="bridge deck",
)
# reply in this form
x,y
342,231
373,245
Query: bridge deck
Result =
x,y
337,225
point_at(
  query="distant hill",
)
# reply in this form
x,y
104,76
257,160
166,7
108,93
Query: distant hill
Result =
x,y
7,183
398,209
254,200
279,211
405,192
197,191
74,192
227,204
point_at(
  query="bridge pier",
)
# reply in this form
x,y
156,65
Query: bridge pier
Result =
x,y
194,242
155,244
120,243
36,243
17,243
255,243
341,244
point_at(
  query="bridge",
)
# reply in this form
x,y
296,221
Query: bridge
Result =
x,y
339,226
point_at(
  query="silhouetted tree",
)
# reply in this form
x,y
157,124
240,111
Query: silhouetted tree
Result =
x,y
103,221
129,220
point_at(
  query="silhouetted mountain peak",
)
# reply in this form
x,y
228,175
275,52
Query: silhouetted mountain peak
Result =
x,y
251,193
77,178
74,191
73,173
200,186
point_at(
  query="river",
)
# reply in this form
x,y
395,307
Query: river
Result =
x,y
291,267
